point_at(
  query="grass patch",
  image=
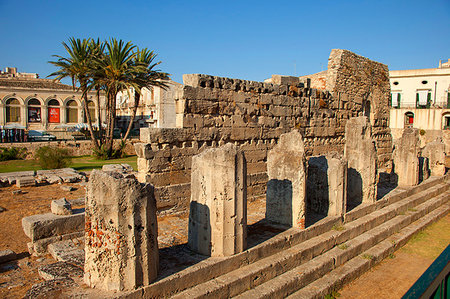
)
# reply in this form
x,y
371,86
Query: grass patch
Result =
x,y
332,295
83,163
430,242
338,227
367,256
391,256
412,210
343,246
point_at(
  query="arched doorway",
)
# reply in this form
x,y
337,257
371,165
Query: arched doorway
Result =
x,y
409,120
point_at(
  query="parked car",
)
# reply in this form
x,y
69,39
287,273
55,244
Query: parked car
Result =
x,y
37,135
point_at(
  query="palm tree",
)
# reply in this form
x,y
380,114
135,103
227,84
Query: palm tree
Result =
x,y
115,72
77,66
146,76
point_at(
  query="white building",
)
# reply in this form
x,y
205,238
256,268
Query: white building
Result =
x,y
156,107
421,99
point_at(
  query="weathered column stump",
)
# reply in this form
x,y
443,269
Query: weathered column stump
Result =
x,y
406,158
286,188
121,232
218,208
361,155
327,185
435,152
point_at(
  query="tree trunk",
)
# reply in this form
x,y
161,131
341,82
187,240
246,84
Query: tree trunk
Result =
x,y
133,115
86,112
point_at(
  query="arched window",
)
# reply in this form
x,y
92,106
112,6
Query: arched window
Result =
x,y
34,111
71,112
12,110
409,119
53,111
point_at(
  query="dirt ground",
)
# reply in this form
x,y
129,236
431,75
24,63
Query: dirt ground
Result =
x,y
17,277
393,277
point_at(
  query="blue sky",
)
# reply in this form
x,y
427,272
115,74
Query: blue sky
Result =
x,y
238,39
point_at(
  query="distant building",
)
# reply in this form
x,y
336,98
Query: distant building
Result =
x,y
32,103
421,99
156,107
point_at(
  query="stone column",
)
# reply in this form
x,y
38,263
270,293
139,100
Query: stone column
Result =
x,y
361,155
327,185
121,232
435,152
286,188
218,209
406,158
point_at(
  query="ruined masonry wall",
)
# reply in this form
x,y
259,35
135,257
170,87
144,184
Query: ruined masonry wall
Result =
x,y
252,115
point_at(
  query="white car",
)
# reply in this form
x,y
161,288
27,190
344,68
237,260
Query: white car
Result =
x,y
37,135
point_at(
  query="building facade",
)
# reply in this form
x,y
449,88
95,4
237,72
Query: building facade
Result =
x,y
421,99
31,103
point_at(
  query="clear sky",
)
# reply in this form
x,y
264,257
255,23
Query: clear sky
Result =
x,y
238,39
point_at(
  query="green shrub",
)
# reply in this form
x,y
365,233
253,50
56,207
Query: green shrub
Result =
x,y
12,153
52,157
102,154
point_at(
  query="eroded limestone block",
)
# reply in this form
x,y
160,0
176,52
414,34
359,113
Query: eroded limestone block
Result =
x,y
286,188
42,226
406,158
120,232
327,185
61,207
435,152
361,155
218,208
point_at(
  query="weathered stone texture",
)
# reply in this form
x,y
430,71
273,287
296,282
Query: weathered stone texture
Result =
x,y
286,189
120,232
326,188
253,115
218,209
435,152
406,158
361,155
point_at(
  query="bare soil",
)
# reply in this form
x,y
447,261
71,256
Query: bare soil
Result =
x,y
18,276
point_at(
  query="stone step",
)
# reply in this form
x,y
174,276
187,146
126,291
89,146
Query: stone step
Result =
x,y
265,269
352,269
319,238
306,273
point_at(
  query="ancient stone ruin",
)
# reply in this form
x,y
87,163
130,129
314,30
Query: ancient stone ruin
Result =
x,y
406,158
286,188
253,115
120,232
218,209
304,151
361,154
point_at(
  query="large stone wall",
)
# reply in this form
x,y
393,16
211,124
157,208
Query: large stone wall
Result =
x,y
214,111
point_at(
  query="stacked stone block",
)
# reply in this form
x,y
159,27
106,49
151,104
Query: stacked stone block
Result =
x,y
253,115
121,233
218,208
286,188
